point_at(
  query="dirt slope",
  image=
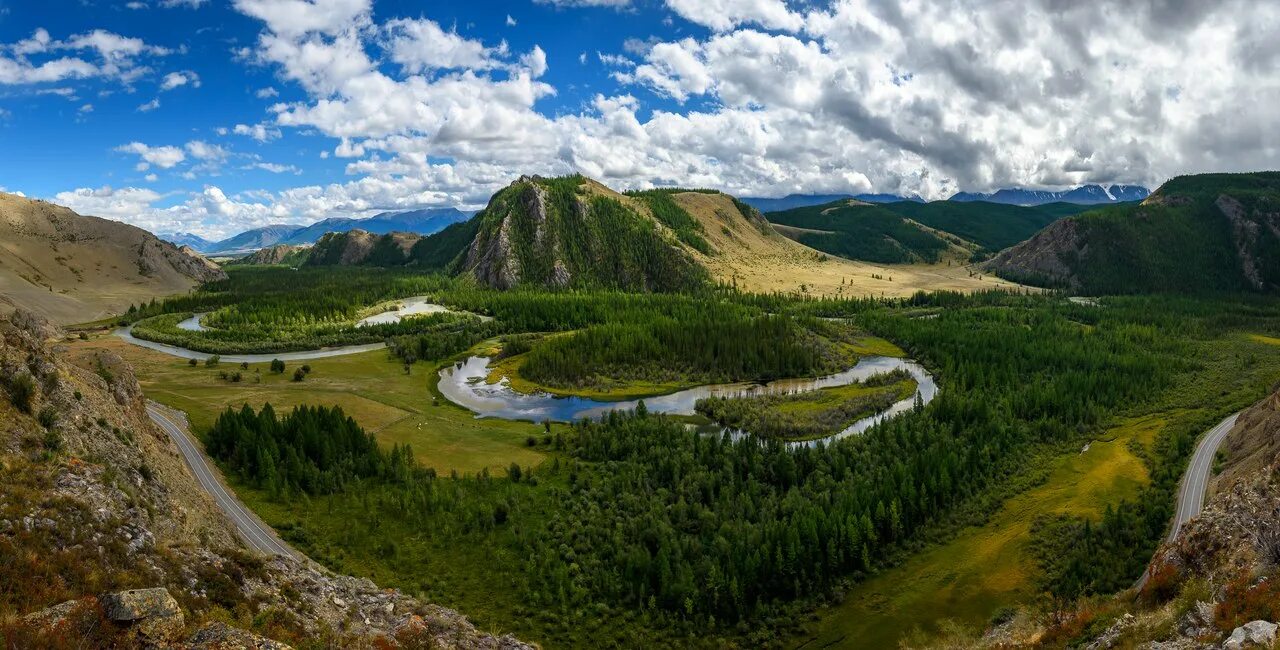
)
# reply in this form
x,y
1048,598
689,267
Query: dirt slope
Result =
x,y
71,268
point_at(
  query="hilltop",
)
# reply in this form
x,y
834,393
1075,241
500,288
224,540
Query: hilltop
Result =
x,y
72,268
576,232
1210,232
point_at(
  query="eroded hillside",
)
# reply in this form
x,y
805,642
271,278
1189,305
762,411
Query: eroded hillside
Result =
x,y
73,268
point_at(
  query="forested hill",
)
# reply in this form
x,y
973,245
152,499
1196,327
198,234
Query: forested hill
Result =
x,y
909,231
1209,232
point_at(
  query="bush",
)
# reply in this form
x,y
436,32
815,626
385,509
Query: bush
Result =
x,y
306,368
299,374
193,362
212,361
48,417
22,390
277,366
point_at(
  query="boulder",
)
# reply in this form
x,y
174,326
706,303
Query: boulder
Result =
x,y
220,636
151,613
1256,634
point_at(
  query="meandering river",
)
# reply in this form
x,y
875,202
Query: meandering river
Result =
x,y
465,383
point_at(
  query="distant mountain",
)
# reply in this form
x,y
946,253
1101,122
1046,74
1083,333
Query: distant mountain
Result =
x,y
420,222
793,201
251,240
186,239
1085,194
1210,232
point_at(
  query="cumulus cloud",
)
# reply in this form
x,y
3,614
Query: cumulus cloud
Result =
x,y
770,97
164,157
41,59
179,79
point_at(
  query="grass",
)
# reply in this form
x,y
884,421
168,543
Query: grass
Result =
x,y
370,387
988,567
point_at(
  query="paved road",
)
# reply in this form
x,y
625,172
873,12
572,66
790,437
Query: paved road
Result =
x,y
1196,481
256,534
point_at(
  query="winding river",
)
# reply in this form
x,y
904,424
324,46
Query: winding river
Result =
x,y
465,383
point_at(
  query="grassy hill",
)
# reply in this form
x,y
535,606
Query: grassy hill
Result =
x,y
71,268
1210,232
908,231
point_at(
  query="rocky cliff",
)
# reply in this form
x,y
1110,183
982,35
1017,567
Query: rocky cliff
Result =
x,y
96,503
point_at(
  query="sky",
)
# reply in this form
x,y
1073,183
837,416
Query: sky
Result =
x,y
215,116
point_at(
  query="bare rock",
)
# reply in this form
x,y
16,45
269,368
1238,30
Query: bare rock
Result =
x,y
1113,633
153,612
1257,634
220,636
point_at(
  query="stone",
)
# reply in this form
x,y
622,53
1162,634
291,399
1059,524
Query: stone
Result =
x,y
51,617
220,636
1255,634
154,614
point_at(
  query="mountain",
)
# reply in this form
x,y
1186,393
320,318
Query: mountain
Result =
x,y
1211,232
72,268
252,240
421,222
1085,194
907,231
805,200
193,240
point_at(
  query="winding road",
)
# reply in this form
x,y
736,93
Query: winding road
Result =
x,y
256,534
1195,483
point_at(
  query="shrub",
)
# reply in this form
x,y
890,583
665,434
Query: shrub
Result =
x,y
212,361
277,366
84,336
22,390
1243,602
193,362
47,417
306,368
299,374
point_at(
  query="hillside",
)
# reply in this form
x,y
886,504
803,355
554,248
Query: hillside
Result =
x,y
992,226
278,254
71,268
1211,232
98,500
252,240
420,222
792,201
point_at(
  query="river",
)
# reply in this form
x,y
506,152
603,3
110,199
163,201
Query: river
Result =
x,y
465,383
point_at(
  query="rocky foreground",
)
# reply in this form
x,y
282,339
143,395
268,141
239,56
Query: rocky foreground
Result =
x,y
106,540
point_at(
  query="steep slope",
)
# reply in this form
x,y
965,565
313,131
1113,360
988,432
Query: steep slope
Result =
x,y
356,247
71,268
1212,232
792,201
94,498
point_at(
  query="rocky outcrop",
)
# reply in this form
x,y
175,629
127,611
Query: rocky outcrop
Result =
x,y
278,254
356,247
1255,634
1049,258
99,513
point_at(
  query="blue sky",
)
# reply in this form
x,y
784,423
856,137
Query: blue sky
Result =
x,y
217,115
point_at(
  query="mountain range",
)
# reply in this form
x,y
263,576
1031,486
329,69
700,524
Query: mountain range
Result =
x,y
421,222
1083,195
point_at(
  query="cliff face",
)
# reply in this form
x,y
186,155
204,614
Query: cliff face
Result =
x,y
71,268
94,499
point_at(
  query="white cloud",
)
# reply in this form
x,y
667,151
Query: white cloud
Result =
x,y
201,150
165,157
41,59
259,132
724,15
511,22
276,168
149,106
179,79
422,45
267,93
616,4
